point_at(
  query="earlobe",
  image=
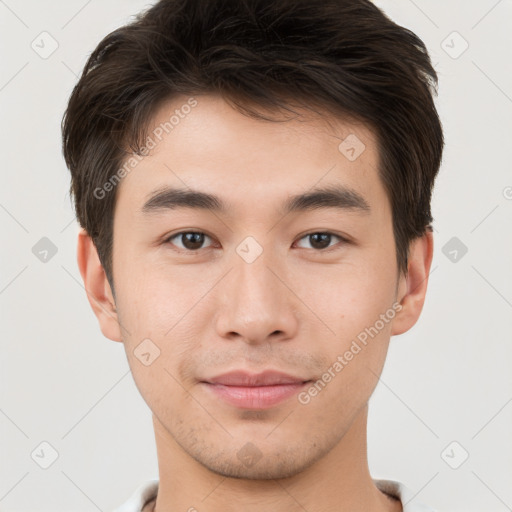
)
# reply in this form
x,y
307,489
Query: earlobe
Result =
x,y
413,287
97,287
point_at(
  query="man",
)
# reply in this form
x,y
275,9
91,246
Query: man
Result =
x,y
253,179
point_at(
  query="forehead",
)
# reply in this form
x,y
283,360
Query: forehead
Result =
x,y
203,143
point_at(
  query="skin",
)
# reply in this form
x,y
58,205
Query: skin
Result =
x,y
296,308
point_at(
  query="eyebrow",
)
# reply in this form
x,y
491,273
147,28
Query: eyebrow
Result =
x,y
333,196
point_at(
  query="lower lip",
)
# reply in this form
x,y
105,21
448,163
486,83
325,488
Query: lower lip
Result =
x,y
255,397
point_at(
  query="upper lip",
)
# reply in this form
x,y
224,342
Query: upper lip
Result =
x,y
244,378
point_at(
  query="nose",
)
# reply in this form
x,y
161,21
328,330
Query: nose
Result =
x,y
256,305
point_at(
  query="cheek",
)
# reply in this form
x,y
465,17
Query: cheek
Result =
x,y
166,305
360,312
156,313
350,297
150,296
356,302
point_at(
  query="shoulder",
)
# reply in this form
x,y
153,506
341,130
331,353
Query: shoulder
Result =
x,y
403,493
143,494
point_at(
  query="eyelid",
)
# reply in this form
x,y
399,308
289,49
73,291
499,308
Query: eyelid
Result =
x,y
343,239
168,238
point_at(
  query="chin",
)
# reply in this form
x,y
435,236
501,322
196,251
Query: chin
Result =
x,y
250,463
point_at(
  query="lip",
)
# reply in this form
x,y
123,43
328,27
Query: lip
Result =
x,y
255,391
247,379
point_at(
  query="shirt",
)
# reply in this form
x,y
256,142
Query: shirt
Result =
x,y
148,491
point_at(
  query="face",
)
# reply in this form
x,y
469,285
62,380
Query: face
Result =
x,y
257,279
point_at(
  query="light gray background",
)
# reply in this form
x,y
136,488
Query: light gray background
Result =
x,y
446,380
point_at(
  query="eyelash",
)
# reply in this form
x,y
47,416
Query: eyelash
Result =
x,y
195,251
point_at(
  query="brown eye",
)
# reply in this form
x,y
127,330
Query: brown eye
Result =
x,y
189,240
320,240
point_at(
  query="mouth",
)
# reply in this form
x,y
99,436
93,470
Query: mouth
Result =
x,y
254,391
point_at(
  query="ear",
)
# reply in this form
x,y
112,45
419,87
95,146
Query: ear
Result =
x,y
97,287
413,287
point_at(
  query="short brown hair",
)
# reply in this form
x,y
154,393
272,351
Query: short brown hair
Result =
x,y
346,56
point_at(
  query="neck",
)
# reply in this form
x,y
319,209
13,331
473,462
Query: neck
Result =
x,y
340,481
